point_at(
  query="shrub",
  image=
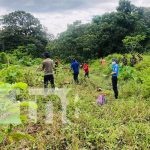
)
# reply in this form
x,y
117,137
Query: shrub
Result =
x,y
3,58
110,57
126,72
11,74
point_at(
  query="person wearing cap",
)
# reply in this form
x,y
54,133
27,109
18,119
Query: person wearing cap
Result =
x,y
115,71
75,68
48,67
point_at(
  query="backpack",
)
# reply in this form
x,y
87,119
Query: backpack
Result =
x,y
101,100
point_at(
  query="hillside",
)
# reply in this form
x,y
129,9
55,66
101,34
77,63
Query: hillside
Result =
x,y
119,124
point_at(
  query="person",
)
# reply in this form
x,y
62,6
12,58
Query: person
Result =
x,y
47,67
115,71
103,61
140,57
86,70
133,60
75,68
124,60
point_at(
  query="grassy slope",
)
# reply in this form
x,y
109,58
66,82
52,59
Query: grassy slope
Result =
x,y
119,124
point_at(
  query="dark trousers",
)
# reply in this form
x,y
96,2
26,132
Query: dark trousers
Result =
x,y
114,84
75,76
86,75
49,78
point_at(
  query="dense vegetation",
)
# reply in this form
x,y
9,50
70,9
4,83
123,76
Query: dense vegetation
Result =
x,y
105,34
122,31
119,124
22,29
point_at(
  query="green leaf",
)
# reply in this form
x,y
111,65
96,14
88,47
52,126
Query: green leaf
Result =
x,y
20,85
2,136
20,136
27,104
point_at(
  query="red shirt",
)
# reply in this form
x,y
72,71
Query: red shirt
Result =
x,y
86,68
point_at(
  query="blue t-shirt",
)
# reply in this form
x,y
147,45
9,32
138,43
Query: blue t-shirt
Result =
x,y
115,68
75,67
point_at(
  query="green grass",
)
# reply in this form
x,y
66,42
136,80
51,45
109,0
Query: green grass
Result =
x,y
119,124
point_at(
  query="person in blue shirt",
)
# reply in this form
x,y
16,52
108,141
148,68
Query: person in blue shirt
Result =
x,y
75,68
115,71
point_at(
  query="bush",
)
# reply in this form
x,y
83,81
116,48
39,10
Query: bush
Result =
x,y
116,56
26,61
127,72
4,58
11,74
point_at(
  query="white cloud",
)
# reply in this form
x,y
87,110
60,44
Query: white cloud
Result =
x,y
3,11
56,20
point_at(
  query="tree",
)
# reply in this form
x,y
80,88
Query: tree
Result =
x,y
133,43
21,28
125,6
105,34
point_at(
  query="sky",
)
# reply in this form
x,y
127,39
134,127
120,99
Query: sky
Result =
x,y
55,15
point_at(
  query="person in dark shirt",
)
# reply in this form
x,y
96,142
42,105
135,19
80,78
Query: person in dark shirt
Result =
x,y
140,58
124,60
75,68
133,60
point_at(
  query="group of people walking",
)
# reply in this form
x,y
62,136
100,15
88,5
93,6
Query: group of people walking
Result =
x,y
48,66
133,60
75,66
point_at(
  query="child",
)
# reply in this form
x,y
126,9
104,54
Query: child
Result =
x,y
101,100
86,70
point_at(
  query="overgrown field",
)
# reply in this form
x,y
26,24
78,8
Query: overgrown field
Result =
x,y
119,124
